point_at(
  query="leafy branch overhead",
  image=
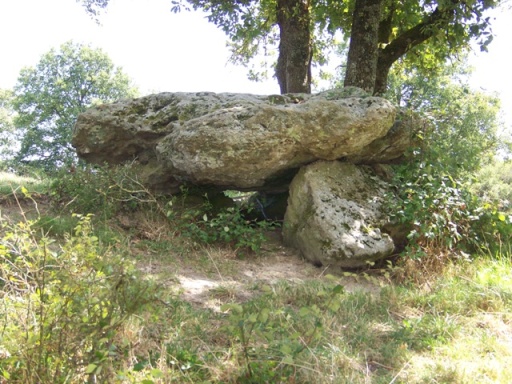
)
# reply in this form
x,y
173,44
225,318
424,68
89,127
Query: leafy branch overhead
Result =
x,y
381,32
93,7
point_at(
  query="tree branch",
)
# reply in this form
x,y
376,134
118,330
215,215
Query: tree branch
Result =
x,y
413,37
405,42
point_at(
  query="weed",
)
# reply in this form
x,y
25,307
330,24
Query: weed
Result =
x,y
226,226
63,305
101,190
58,226
74,309
11,183
272,341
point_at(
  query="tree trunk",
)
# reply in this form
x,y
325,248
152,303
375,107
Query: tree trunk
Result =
x,y
363,49
293,70
403,43
383,67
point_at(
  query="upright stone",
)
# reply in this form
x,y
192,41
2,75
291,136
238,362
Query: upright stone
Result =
x,y
334,215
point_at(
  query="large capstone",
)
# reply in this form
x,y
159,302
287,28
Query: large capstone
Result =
x,y
232,141
334,215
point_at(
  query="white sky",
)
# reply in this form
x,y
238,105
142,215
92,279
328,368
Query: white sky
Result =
x,y
162,51
159,50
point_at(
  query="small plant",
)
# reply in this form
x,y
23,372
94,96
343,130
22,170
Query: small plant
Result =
x,y
227,226
101,189
271,341
57,226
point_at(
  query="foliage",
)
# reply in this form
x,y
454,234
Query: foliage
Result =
x,y
106,190
267,354
493,183
49,97
459,133
11,183
455,137
445,217
63,306
226,226
7,134
321,329
426,32
110,190
93,7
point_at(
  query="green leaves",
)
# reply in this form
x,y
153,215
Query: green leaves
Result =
x,y
458,125
7,134
64,304
444,216
228,226
268,336
49,97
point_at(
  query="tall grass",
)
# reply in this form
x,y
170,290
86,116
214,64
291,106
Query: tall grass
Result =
x,y
10,183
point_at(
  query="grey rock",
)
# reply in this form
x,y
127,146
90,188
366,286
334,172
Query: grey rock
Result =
x,y
392,147
247,146
334,215
131,128
237,141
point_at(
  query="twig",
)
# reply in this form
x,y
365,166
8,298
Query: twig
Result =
x,y
215,265
400,371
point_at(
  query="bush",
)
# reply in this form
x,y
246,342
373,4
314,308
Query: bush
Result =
x,y
100,189
445,216
205,225
494,184
63,306
111,190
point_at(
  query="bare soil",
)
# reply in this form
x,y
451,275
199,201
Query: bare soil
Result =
x,y
207,275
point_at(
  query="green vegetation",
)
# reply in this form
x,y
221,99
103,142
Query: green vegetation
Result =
x,y
85,304
161,289
227,226
63,305
48,98
442,192
493,182
7,134
11,183
381,32
458,128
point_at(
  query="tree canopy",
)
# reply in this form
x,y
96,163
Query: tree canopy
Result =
x,y
7,134
462,131
93,7
49,97
380,32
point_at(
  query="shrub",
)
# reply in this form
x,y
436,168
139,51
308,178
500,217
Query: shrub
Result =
x,y
494,184
63,306
100,189
445,217
228,225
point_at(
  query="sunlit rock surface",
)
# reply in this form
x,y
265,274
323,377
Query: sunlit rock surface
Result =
x,y
334,215
232,141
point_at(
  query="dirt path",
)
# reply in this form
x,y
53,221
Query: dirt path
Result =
x,y
206,276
